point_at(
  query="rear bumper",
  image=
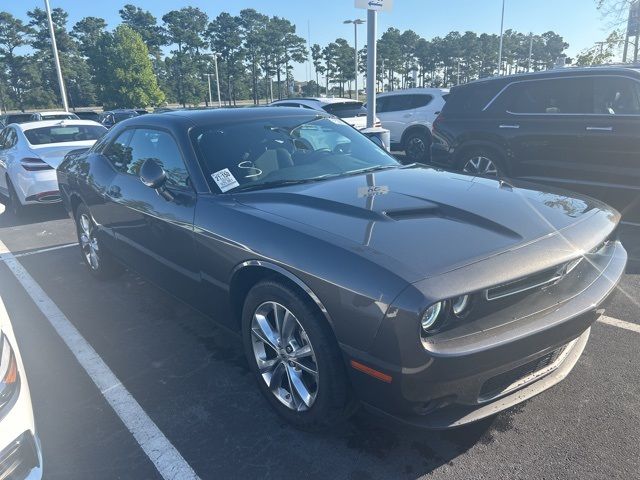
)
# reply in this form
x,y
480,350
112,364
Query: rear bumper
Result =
x,y
468,377
37,187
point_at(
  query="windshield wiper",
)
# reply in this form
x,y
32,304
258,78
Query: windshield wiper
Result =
x,y
278,183
370,169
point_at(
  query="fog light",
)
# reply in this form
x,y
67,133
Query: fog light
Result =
x,y
460,304
430,316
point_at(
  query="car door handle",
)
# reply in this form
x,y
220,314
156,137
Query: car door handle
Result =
x,y
510,126
599,129
114,191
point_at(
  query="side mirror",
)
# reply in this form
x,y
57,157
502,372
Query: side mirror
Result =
x,y
154,176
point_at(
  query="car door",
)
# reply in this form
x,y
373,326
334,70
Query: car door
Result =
x,y
542,122
611,145
154,235
395,112
425,108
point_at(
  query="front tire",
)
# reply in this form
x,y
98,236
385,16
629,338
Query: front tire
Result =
x,y
98,260
295,358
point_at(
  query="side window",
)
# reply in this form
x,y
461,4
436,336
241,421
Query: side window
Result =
x,y
161,147
296,105
616,96
3,138
11,138
552,97
398,103
381,104
419,101
119,152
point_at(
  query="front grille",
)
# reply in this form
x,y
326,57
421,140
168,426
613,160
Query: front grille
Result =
x,y
522,375
19,458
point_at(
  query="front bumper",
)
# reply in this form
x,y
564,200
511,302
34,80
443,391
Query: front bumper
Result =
x,y
495,362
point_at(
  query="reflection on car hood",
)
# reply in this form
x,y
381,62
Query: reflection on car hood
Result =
x,y
428,220
53,153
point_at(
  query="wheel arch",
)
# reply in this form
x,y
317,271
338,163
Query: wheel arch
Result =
x,y
249,273
465,148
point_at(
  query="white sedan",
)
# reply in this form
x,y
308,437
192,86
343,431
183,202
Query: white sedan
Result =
x,y
20,453
30,153
350,111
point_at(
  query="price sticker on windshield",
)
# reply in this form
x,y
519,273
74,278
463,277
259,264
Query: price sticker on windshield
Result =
x,y
225,180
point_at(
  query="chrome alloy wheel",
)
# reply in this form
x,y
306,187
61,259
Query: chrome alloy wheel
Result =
x,y
284,355
88,242
481,165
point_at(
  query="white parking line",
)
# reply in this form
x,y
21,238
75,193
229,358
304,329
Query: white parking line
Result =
x,y
42,250
614,322
167,460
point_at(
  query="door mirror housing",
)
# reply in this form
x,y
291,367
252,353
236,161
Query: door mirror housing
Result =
x,y
154,176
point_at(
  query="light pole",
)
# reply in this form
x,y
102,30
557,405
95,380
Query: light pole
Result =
x,y
56,59
215,63
209,82
355,22
501,38
530,51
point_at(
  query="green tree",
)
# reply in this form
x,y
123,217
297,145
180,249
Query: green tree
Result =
x,y
319,68
129,80
225,37
14,34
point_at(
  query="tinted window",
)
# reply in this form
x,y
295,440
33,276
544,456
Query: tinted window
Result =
x,y
19,118
283,149
119,152
289,104
123,116
160,147
471,99
557,96
64,116
395,103
346,110
11,138
421,100
64,133
616,96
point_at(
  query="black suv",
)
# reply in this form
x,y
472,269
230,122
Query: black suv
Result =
x,y
578,128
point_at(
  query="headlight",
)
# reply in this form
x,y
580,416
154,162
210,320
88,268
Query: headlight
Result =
x,y
9,377
430,316
460,304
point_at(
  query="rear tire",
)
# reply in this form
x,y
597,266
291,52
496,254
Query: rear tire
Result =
x,y
98,260
417,146
13,205
322,400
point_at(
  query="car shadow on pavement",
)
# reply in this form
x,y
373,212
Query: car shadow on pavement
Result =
x,y
32,214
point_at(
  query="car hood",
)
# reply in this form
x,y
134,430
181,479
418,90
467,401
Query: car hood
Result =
x,y
427,221
53,154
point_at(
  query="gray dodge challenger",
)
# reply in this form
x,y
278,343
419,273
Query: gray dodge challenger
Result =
x,y
432,297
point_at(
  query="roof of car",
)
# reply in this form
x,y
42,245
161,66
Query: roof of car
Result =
x,y
120,110
52,123
54,112
560,72
211,116
325,100
408,91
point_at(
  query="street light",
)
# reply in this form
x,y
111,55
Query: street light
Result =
x,y
215,62
355,22
56,59
501,38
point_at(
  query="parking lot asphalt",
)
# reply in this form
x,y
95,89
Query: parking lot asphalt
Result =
x,y
192,380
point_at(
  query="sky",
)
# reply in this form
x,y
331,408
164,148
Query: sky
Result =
x,y
578,21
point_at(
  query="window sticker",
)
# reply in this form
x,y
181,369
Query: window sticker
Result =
x,y
225,180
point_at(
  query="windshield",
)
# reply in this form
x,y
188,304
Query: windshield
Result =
x,y
64,133
346,110
59,116
284,150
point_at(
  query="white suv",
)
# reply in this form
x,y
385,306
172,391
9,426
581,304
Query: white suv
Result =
x,y
350,111
409,115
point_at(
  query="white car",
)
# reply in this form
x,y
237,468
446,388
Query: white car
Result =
x,y
350,111
30,153
409,115
20,452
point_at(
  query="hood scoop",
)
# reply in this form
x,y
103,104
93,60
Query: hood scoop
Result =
x,y
447,212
